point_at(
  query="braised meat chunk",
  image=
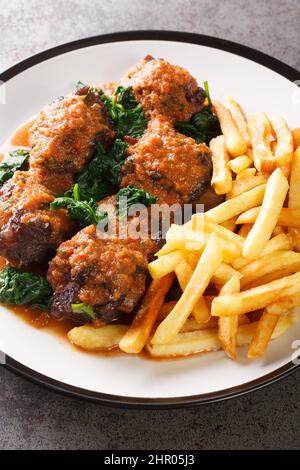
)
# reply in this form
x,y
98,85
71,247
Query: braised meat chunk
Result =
x,y
163,88
108,274
168,164
62,138
29,230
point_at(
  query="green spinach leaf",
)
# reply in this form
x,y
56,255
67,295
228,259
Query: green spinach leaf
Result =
x,y
84,308
16,161
202,126
21,288
84,211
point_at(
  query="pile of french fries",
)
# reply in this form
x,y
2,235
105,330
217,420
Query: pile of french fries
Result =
x,y
238,265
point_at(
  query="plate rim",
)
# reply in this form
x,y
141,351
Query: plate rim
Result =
x,y
136,402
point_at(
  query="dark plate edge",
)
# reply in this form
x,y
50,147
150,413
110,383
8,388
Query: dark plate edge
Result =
x,y
132,402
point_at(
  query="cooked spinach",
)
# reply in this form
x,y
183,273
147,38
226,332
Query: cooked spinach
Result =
x,y
126,113
84,211
84,309
202,126
131,195
16,161
103,173
20,288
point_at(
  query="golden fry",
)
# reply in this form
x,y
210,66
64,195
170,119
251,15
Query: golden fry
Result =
x,y
275,194
184,273
239,118
285,144
242,185
93,338
294,194
263,333
272,263
239,164
283,305
228,326
287,217
193,342
165,264
296,137
244,230
281,242
138,333
209,261
237,205
246,173
221,179
260,133
256,298
234,141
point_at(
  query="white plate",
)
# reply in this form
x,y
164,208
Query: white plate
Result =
x,y
50,360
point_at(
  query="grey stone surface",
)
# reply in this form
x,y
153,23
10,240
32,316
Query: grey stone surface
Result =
x,y
34,418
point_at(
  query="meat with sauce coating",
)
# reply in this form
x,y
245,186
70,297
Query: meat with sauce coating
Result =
x,y
29,229
62,138
106,273
168,164
163,88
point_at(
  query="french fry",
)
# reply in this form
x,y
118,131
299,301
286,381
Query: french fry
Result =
x,y
228,326
138,333
242,185
209,261
296,137
165,264
294,193
244,230
273,146
239,118
249,152
93,338
283,305
281,242
275,194
166,309
204,340
277,230
285,144
234,141
230,224
239,164
192,325
246,173
272,263
221,179
175,232
287,217
262,335
237,205
221,231
256,298
187,343
224,273
260,133
184,273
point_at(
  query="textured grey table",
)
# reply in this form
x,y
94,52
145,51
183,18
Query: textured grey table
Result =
x,y
34,418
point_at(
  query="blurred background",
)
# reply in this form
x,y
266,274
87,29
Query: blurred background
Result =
x,y
34,418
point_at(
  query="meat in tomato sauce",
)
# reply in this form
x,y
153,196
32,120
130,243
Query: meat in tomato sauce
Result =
x,y
107,273
166,89
62,139
29,230
168,164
